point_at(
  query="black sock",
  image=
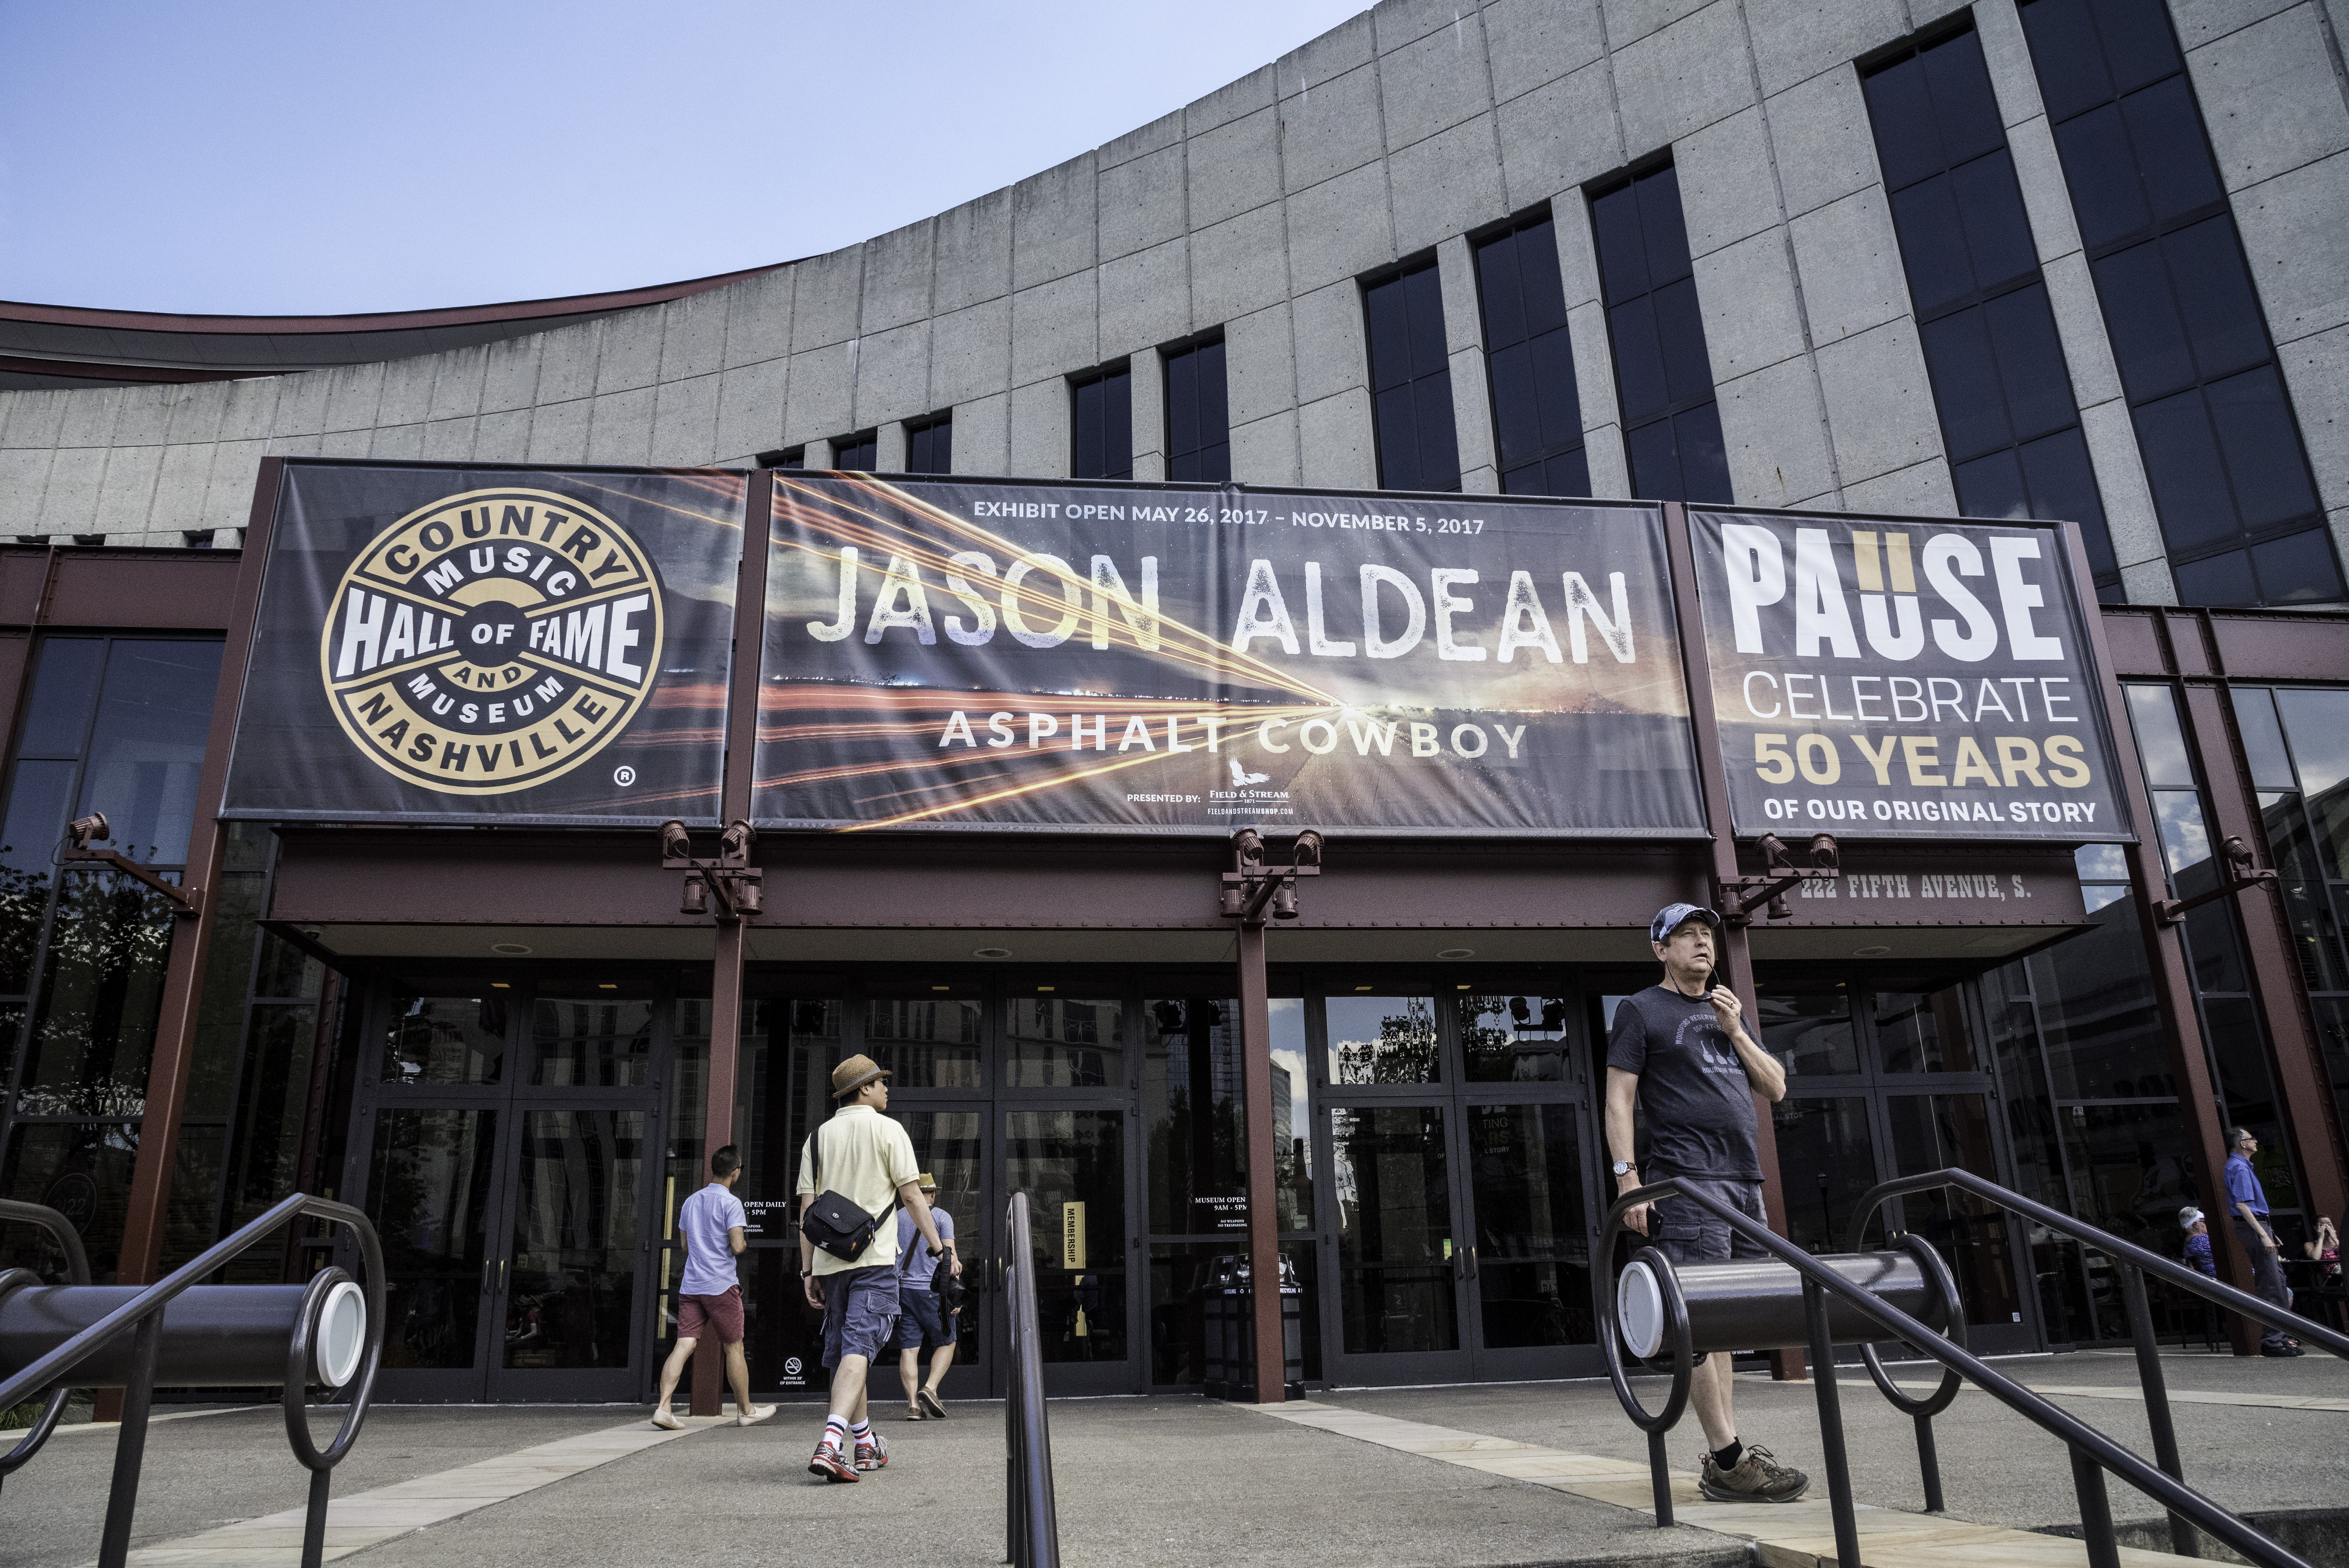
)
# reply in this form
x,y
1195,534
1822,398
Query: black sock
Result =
x,y
1726,1459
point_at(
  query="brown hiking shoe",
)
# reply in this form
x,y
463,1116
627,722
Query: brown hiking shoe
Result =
x,y
1757,1477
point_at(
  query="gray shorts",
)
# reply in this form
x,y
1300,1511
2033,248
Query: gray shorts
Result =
x,y
1687,1235
860,1310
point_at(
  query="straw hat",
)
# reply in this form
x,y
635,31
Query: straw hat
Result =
x,y
854,1074
927,1182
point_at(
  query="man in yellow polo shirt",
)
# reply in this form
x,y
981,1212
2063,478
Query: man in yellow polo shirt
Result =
x,y
867,1158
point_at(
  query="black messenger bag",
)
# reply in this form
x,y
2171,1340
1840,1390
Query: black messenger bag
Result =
x,y
832,1222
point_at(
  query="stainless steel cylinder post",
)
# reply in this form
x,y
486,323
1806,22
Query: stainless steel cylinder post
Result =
x,y
1756,1304
211,1336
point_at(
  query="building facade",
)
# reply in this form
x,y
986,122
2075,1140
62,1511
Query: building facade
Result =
x,y
1997,262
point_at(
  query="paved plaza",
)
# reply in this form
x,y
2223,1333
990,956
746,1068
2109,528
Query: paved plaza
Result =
x,y
1513,1474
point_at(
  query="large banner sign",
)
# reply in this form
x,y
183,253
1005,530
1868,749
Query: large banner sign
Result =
x,y
1903,679
1046,656
440,644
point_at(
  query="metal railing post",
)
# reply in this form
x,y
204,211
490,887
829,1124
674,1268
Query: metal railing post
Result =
x,y
2096,1512
1928,1464
2157,1400
130,1444
1032,1536
1823,1380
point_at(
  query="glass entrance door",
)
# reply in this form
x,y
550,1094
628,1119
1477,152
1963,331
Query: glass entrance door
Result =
x,y
1401,1251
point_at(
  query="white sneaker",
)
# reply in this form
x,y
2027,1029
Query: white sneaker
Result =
x,y
756,1414
666,1421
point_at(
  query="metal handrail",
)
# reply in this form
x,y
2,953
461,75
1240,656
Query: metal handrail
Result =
x,y
1032,1523
2093,1452
143,1318
68,1239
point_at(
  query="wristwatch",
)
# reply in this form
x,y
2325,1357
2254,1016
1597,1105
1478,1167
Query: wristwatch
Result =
x,y
1622,1168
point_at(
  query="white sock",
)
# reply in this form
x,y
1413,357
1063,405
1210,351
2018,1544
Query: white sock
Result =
x,y
835,1429
862,1431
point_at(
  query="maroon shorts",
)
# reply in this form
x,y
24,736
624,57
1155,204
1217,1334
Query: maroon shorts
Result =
x,y
697,1314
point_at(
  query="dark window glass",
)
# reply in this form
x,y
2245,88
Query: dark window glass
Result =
x,y
1664,376
1411,382
2008,417
65,681
1198,423
1102,427
1529,357
859,452
929,446
2224,453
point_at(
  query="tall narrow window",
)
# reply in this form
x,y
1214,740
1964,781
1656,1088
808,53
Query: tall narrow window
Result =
x,y
1101,426
1671,427
929,445
2008,417
1198,418
858,452
1411,382
2230,479
1536,415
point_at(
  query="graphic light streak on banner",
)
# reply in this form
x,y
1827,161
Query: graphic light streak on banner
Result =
x,y
945,655
1904,678
491,645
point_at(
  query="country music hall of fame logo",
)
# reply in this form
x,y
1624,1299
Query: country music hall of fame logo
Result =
x,y
493,641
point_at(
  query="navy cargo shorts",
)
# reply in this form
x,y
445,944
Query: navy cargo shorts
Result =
x,y
1688,1234
860,1311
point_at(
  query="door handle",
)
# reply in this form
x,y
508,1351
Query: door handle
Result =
x,y
1472,1263
501,1277
487,1265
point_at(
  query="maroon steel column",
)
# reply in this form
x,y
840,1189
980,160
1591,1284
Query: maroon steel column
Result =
x,y
1712,772
726,972
2173,989
175,1029
1264,1218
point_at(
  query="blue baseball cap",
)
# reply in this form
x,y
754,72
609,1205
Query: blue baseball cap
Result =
x,y
1669,918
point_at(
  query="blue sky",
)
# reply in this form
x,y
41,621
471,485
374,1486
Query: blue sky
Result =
x,y
334,155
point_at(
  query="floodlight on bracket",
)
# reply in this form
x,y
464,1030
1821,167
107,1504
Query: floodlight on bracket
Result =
x,y
187,902
1738,897
1251,883
725,888
2242,875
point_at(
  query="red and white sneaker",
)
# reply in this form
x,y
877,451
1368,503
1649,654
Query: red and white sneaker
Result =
x,y
828,1464
871,1453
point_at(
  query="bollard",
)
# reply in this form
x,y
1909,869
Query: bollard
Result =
x,y
213,1336
1756,1304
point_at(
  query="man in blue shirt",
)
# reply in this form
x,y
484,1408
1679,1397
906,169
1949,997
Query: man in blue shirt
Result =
x,y
2247,1201
922,1325
709,1297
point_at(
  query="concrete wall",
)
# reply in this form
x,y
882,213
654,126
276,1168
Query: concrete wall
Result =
x,y
1258,210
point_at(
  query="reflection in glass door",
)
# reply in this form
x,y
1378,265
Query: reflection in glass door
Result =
x,y
431,1183
570,1283
1071,1164
1399,1263
1529,1263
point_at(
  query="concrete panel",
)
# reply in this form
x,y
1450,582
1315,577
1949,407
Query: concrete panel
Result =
x,y
1826,149
1264,451
228,498
2119,465
1259,379
2149,583
1779,452
2291,228
897,268
1752,316
1435,82
510,373
1054,329
1449,182
684,422
759,317
1235,167
974,251
311,446
982,437
127,492
889,447
1039,429
1923,490
34,416
1339,230
1336,437
354,392
1052,223
450,441
1727,191
693,336
970,355
823,307
558,432
24,475
1164,131
301,405
1534,42
2046,199
817,404
180,481
340,444
396,443
1629,20
2080,324
620,427
1594,369
1350,44
1850,262
457,388
407,396
1561,134
1396,23
1149,383
1233,100
751,407
143,416
70,499
89,415
1141,202
2270,98
893,375
2316,373
566,363
2199,21
1463,342
1329,128
1331,355
1879,405
1794,40
504,437
2007,54
1238,265
1145,298
195,414
818,455
1683,77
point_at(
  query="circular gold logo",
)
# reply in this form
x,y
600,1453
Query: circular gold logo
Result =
x,y
493,641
